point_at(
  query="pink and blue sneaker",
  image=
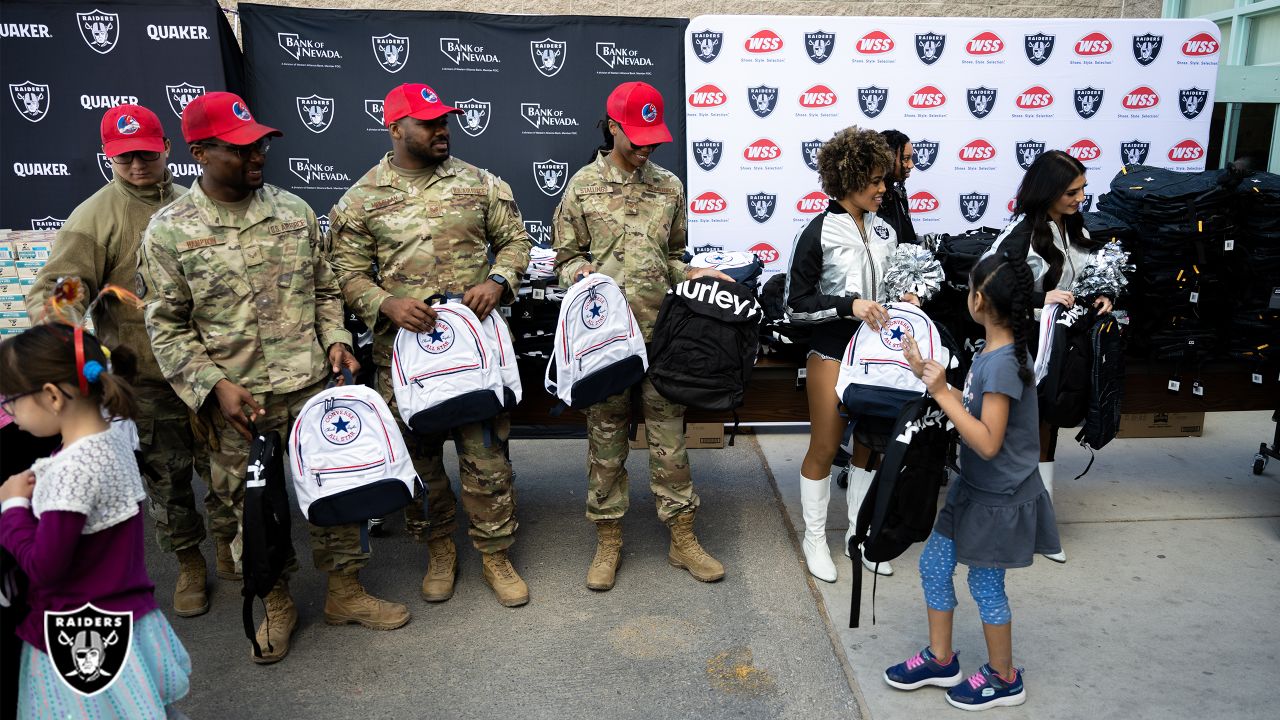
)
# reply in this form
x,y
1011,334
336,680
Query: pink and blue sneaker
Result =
x,y
924,669
986,689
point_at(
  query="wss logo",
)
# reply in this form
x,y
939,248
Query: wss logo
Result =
x,y
31,99
923,154
391,52
539,232
1140,98
548,55
764,41
871,100
809,151
707,96
763,99
973,206
874,43
929,47
550,176
707,44
707,153
1038,47
818,96
1036,97
373,108
977,151
316,112
1134,152
762,150
922,202
88,646
707,203
1200,45
475,116
1192,101
100,30
1085,150
814,202
1146,48
1027,152
181,95
766,252
987,43
1088,101
818,45
761,206
1093,44
1186,151
982,100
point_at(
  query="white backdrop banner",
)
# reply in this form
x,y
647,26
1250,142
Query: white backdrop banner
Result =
x,y
979,98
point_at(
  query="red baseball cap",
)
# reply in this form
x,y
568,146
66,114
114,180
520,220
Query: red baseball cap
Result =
x,y
126,128
414,100
637,107
224,116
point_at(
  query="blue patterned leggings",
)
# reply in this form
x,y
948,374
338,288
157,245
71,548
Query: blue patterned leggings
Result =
x,y
938,565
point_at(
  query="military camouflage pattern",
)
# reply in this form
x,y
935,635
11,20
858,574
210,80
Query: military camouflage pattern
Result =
x,y
632,226
428,234
607,436
171,449
253,301
485,474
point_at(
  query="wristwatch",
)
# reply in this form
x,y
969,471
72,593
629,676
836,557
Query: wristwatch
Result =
x,y
499,279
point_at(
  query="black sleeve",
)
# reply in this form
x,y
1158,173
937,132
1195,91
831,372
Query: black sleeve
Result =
x,y
806,305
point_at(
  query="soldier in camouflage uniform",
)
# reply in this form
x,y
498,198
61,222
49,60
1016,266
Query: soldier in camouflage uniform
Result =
x,y
624,216
99,244
428,221
243,312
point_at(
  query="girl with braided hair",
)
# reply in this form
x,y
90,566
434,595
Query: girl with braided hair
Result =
x,y
998,514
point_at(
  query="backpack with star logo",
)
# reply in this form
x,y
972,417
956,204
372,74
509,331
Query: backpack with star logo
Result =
x,y
350,463
599,351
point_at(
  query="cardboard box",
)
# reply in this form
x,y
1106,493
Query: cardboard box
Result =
x,y
21,322
1161,425
8,269
706,436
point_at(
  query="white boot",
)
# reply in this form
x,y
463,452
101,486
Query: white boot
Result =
x,y
1046,476
814,496
859,486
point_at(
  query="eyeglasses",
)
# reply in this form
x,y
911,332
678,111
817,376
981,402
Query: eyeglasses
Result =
x,y
8,401
128,157
243,151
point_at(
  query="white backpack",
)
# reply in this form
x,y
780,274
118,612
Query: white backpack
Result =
x,y
349,461
875,378
498,335
450,375
599,350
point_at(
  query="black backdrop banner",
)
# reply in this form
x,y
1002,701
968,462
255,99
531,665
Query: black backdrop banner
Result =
x,y
533,89
63,64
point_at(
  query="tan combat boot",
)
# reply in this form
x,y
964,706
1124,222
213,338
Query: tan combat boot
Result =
x,y
190,597
442,570
506,583
604,567
277,627
348,602
688,554
226,568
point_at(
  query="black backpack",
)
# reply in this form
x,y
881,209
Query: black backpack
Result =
x,y
1065,389
704,344
959,253
1102,418
902,503
773,298
268,544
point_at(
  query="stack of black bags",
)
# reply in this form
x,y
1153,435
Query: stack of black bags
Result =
x,y
1255,325
537,308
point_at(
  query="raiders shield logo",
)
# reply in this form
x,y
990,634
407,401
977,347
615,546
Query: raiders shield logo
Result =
x,y
548,55
818,45
99,29
706,45
1087,203
871,100
1038,47
1027,152
982,100
763,99
316,112
550,176
699,249
31,99
1191,102
48,222
1134,152
707,153
1088,101
373,108
923,154
88,647
809,151
973,206
761,206
391,52
1146,48
181,95
539,232
475,116
104,166
929,47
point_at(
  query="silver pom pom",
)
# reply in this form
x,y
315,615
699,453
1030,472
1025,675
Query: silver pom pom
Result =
x,y
1105,273
912,269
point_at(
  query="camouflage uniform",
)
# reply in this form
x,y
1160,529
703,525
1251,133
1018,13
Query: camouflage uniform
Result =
x,y
430,233
633,227
99,243
255,303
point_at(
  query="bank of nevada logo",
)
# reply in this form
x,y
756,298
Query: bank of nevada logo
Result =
x,y
180,96
99,29
1146,48
373,108
707,45
707,153
872,99
761,206
539,232
818,45
1039,47
475,116
763,99
924,153
548,55
316,112
929,47
550,176
974,205
391,51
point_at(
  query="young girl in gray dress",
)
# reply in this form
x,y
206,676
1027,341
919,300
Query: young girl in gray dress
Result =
x,y
997,514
